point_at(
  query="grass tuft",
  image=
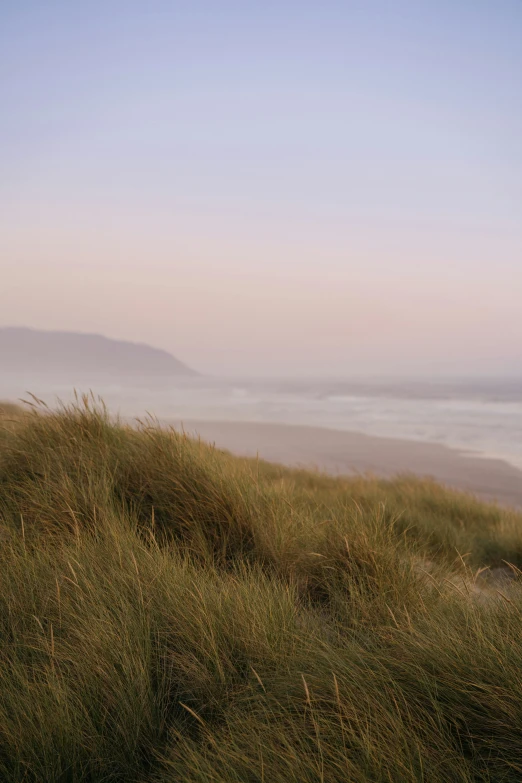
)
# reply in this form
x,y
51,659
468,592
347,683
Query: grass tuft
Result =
x,y
171,613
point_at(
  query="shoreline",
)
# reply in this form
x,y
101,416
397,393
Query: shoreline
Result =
x,y
340,452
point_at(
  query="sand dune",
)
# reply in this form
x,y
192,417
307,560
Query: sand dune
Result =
x,y
349,452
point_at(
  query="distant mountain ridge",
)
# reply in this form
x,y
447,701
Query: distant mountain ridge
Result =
x,y
68,354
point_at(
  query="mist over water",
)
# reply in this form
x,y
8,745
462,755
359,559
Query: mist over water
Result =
x,y
480,416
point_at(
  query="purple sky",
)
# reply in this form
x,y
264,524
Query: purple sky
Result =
x,y
268,188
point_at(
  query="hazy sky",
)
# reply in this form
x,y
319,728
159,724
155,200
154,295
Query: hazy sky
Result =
x,y
267,187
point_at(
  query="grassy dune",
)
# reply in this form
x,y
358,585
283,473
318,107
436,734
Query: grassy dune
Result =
x,y
170,613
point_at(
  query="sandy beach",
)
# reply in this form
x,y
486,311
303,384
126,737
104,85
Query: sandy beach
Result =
x,y
349,453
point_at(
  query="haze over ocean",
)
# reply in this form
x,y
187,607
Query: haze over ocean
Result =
x,y
482,416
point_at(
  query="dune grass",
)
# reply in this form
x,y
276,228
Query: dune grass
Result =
x,y
171,613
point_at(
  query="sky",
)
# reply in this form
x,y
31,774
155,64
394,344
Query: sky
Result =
x,y
268,188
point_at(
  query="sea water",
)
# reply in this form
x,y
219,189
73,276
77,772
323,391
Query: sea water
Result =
x,y
480,416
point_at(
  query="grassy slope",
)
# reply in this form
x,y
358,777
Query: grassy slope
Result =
x,y
170,613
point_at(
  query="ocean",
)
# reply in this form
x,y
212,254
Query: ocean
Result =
x,y
480,416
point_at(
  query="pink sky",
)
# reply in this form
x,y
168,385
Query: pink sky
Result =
x,y
268,189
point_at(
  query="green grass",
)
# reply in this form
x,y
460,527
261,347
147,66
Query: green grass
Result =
x,y
170,613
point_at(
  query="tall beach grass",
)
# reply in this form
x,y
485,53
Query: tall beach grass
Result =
x,y
171,613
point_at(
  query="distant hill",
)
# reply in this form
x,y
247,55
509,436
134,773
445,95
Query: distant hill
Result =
x,y
73,355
